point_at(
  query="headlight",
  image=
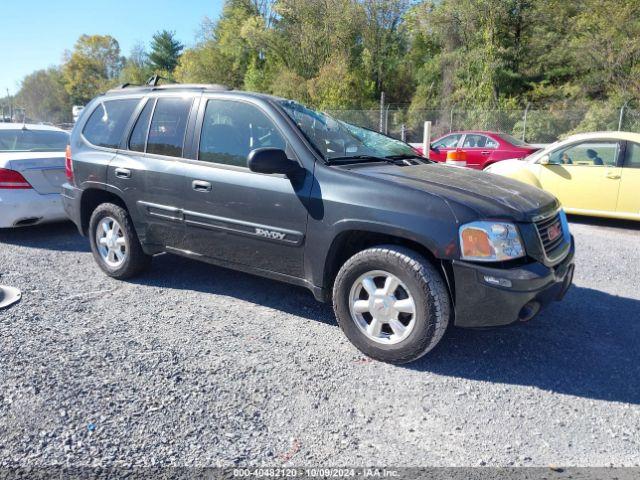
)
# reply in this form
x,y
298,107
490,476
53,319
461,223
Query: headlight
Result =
x,y
490,242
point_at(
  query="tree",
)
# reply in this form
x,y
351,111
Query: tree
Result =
x,y
225,52
137,69
93,65
165,52
44,98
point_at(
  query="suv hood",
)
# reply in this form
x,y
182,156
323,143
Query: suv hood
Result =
x,y
488,195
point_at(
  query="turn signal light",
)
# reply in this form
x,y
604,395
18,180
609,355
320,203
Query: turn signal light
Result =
x,y
12,180
476,243
68,164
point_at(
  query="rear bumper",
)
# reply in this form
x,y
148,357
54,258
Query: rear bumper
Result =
x,y
71,197
21,208
487,297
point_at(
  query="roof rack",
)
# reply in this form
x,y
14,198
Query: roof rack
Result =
x,y
170,86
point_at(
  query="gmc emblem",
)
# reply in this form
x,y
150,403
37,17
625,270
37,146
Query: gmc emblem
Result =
x,y
554,232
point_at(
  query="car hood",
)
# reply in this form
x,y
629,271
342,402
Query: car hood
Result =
x,y
509,164
491,196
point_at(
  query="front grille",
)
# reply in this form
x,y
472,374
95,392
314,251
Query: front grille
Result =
x,y
547,227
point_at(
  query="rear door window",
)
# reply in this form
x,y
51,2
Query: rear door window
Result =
x,y
168,127
108,121
479,141
138,139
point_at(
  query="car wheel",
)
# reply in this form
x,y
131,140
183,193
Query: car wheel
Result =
x,y
391,303
115,244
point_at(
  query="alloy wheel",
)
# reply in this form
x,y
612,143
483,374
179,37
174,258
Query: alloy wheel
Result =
x,y
382,307
111,242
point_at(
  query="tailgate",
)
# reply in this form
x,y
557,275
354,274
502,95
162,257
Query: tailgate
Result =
x,y
45,172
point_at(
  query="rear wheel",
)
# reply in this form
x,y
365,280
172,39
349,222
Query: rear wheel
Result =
x,y
115,244
391,303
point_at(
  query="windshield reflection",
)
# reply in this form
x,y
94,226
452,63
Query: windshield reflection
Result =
x,y
335,139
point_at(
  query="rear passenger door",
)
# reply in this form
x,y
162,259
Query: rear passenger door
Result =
x,y
146,172
479,149
235,215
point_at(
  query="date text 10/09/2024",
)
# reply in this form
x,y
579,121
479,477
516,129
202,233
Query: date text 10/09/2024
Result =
x,y
316,473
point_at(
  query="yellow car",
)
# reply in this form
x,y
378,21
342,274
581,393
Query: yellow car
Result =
x,y
595,174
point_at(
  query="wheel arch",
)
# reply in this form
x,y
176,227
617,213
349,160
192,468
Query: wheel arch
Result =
x,y
91,199
350,241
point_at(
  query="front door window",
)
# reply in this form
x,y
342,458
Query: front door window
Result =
x,y
230,131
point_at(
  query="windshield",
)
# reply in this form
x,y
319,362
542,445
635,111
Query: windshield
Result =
x,y
513,140
335,139
533,158
25,140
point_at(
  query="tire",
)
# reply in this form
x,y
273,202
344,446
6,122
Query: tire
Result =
x,y
134,261
426,294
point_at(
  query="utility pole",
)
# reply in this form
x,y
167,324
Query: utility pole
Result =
x,y
622,115
10,106
381,129
524,122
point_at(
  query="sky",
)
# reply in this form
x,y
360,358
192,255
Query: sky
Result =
x,y
34,34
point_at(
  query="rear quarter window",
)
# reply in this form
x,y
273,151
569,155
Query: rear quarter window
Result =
x,y
633,155
105,127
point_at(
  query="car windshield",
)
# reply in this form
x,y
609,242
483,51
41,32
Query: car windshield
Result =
x,y
533,158
336,140
25,140
513,140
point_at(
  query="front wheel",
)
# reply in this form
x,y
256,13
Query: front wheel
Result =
x,y
391,303
114,242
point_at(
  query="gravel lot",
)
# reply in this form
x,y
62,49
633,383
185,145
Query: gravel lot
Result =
x,y
200,366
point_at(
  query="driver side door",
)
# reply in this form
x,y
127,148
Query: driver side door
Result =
x,y
585,176
236,216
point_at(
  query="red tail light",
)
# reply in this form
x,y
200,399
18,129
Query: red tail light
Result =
x,y
68,164
10,179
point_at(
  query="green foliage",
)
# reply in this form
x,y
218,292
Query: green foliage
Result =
x,y
428,55
225,54
137,68
93,66
44,98
165,52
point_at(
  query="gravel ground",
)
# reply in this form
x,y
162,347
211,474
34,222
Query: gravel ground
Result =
x,y
200,366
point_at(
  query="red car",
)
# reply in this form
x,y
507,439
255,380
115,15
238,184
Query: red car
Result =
x,y
482,148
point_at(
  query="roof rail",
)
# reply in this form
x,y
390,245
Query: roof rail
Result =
x,y
170,86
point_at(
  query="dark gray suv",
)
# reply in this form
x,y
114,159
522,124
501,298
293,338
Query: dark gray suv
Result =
x,y
402,246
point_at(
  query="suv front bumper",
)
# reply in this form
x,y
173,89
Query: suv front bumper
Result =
x,y
487,297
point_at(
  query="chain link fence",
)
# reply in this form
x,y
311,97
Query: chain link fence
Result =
x,y
531,125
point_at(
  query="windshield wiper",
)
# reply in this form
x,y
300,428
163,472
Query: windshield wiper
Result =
x,y
357,159
407,156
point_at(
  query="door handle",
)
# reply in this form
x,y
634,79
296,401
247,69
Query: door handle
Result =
x,y
485,152
613,176
201,186
123,173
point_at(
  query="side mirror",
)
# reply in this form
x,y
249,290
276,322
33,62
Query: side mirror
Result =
x,y
270,160
544,160
435,148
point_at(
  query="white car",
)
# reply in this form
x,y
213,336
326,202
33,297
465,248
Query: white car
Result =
x,y
32,171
